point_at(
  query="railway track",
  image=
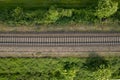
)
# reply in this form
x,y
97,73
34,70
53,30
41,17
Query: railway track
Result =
x,y
60,41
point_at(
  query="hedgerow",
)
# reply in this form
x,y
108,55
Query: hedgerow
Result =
x,y
56,15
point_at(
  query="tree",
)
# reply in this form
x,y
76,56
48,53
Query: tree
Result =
x,y
106,8
51,16
17,14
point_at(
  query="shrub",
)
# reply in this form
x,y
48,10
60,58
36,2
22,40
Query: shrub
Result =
x,y
54,14
35,17
51,16
106,8
4,15
93,64
116,16
102,74
84,15
17,14
66,12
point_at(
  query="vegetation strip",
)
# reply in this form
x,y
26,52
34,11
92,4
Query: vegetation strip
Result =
x,y
60,68
98,15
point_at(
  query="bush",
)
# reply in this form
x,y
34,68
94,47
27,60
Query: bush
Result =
x,y
102,74
5,15
54,14
51,16
116,16
94,64
17,14
106,8
66,12
81,16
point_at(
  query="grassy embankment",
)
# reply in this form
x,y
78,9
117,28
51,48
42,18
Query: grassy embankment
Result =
x,y
52,15
59,68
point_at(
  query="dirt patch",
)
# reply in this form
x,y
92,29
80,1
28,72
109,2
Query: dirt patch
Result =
x,y
59,54
66,28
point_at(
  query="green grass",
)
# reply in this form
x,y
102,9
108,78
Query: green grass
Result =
x,y
57,68
47,3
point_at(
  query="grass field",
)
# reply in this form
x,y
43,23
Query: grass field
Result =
x,y
59,68
47,3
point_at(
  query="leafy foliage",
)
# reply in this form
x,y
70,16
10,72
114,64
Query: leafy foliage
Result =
x,y
66,12
106,8
102,74
54,14
17,14
51,16
84,16
56,69
96,63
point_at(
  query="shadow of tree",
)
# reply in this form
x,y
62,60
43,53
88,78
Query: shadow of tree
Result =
x,y
95,61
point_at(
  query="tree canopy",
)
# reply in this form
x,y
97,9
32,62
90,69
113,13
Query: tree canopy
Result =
x,y
106,8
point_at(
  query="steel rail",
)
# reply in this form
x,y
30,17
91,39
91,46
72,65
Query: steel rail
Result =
x,y
59,33
54,40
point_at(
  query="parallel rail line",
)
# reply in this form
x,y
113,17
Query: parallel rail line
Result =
x,y
40,40
54,41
